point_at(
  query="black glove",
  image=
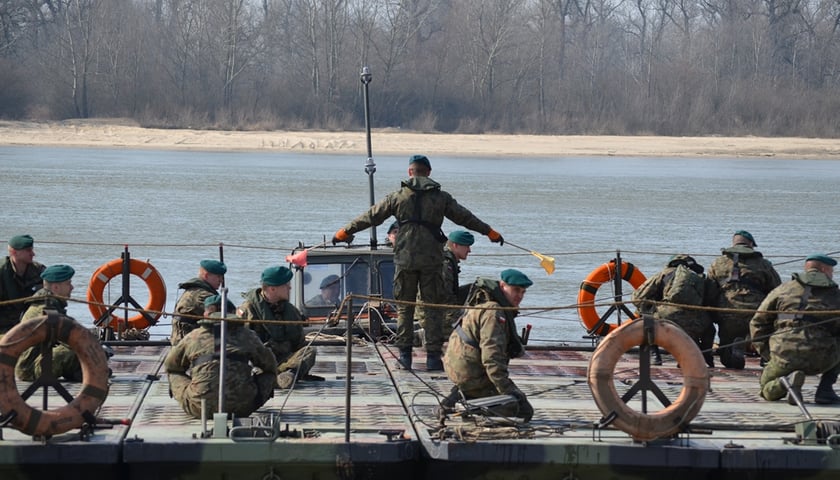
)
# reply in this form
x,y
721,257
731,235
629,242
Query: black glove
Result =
x,y
526,411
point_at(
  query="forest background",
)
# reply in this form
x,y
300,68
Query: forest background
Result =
x,y
590,67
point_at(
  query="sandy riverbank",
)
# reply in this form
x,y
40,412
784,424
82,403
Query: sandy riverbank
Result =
x,y
118,133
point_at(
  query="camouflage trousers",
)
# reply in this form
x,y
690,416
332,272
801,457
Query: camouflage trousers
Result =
x,y
242,395
772,388
64,364
430,285
301,361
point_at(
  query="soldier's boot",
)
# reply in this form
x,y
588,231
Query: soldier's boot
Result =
x,y
404,362
433,362
825,392
656,354
796,380
733,356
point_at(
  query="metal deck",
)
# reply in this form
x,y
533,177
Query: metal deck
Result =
x,y
395,433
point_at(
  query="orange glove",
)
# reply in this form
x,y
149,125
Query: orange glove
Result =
x,y
495,237
342,236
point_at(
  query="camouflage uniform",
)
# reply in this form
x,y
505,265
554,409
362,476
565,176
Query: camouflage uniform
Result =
x,y
64,361
696,323
791,341
745,290
286,341
451,270
481,369
192,367
191,302
13,287
418,251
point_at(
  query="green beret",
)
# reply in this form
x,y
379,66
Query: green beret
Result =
x,y
214,266
420,159
819,257
217,301
19,242
394,226
329,280
746,235
462,237
57,273
274,276
516,278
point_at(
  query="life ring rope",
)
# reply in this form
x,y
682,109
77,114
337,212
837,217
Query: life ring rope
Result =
x,y
676,415
145,271
79,409
596,324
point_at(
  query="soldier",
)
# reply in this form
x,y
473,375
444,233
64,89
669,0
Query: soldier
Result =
x,y
192,367
20,277
681,282
286,340
210,276
483,343
794,342
457,249
420,207
57,285
744,278
330,287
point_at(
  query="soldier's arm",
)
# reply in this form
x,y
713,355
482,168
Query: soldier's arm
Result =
x,y
762,326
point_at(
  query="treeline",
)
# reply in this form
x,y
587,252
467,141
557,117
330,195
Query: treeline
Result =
x,y
666,67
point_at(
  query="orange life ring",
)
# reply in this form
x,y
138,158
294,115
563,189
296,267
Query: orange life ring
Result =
x,y
94,375
139,268
671,419
589,288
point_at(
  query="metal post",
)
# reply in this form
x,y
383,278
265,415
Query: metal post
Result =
x,y
370,167
222,350
126,288
349,370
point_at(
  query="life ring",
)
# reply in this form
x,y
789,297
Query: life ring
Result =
x,y
589,288
146,272
94,390
671,419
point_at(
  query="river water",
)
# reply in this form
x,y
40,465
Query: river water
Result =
x,y
174,208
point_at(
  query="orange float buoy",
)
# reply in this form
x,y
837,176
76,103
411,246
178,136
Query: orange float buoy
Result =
x,y
45,423
675,416
589,288
146,272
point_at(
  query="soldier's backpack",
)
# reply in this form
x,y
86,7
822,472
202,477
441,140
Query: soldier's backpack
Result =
x,y
684,287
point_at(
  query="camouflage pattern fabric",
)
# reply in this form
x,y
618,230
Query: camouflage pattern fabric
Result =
x,y
451,270
13,287
482,371
418,252
191,302
808,343
245,390
756,279
286,341
64,361
696,323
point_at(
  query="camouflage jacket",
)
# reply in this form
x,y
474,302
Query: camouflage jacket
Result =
x,y
36,304
782,327
473,368
755,279
191,301
691,320
194,358
13,287
282,339
420,207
